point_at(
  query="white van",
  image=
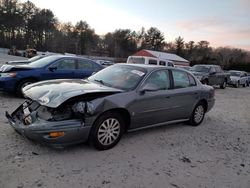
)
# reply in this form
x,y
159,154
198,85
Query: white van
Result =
x,y
149,61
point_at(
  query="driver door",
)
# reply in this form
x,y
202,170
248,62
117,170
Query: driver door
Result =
x,y
152,107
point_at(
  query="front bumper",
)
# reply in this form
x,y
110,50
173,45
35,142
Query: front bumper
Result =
x,y
74,130
7,84
233,82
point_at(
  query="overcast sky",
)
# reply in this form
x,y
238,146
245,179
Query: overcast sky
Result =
x,y
221,22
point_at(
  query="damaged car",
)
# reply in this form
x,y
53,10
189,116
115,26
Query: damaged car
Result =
x,y
119,98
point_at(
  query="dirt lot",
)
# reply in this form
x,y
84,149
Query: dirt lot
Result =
x,y
215,154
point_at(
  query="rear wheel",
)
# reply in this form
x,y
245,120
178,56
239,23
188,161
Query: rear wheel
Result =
x,y
245,84
223,85
107,131
237,85
198,114
21,85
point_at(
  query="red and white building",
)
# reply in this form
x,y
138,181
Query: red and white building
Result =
x,y
175,59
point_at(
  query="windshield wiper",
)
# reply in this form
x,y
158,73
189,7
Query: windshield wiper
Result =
x,y
100,81
103,83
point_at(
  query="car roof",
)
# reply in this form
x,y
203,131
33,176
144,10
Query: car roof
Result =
x,y
147,67
71,56
208,65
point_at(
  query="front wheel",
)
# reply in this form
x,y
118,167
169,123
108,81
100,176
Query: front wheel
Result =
x,y
223,85
107,131
197,115
21,85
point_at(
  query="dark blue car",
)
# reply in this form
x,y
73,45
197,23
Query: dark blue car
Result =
x,y
15,77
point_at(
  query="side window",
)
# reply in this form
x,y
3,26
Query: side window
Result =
x,y
191,80
163,63
152,62
170,64
65,64
181,79
159,79
218,69
85,64
212,69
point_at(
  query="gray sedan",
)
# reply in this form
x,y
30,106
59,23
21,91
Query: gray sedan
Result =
x,y
120,98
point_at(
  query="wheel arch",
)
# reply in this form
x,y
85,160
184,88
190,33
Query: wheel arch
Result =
x,y
26,78
121,111
204,101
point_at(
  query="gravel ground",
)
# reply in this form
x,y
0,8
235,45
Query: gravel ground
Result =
x,y
214,154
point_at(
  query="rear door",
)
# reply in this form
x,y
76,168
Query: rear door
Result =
x,y
183,96
86,68
213,76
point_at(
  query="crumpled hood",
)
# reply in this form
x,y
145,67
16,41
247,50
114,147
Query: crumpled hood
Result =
x,y
52,93
235,78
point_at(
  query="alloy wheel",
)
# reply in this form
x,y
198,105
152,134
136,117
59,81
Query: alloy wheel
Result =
x,y
109,131
199,114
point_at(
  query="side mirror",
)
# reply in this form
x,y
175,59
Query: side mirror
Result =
x,y
149,87
52,69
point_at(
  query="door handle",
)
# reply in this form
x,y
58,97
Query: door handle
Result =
x,y
167,97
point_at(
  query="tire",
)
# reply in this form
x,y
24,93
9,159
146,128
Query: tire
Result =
x,y
205,82
107,131
223,85
21,85
245,84
237,85
198,114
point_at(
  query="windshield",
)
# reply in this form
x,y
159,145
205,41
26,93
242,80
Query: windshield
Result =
x,y
200,68
136,60
232,73
35,58
119,76
43,62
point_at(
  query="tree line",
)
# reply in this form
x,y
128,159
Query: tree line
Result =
x,y
24,25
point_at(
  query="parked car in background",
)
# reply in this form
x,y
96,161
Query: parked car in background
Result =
x,y
119,98
248,79
183,67
149,61
211,75
29,52
238,78
14,77
18,62
105,62
14,51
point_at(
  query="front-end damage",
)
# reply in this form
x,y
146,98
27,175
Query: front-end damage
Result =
x,y
69,123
